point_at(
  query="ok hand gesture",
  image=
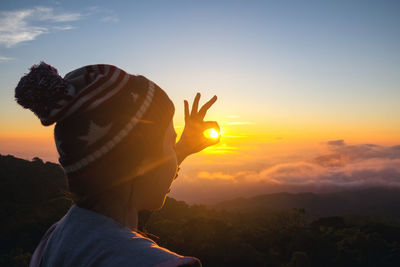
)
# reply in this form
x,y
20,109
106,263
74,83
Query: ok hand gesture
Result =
x,y
193,139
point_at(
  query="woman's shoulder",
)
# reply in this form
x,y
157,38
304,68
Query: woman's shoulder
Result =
x,y
145,252
98,240
135,247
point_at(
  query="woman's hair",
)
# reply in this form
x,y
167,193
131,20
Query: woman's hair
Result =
x,y
107,123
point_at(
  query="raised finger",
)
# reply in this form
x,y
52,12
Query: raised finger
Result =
x,y
186,104
206,106
195,104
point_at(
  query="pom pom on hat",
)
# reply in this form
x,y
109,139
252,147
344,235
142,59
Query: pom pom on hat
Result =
x,y
42,90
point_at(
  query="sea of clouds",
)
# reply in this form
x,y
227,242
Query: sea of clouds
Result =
x,y
337,167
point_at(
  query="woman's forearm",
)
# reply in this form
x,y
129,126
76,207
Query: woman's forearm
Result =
x,y
181,152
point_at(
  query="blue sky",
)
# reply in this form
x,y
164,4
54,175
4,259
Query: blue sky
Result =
x,y
283,70
312,63
309,55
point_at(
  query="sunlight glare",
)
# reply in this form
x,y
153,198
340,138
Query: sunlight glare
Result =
x,y
211,133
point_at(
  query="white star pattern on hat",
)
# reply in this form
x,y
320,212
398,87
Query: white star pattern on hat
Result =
x,y
95,133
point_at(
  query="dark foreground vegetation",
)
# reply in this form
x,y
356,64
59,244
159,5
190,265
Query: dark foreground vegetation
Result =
x,y
32,197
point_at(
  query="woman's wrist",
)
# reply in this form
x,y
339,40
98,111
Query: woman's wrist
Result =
x,y
181,152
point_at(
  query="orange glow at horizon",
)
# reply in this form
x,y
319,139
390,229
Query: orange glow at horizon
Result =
x,y
239,137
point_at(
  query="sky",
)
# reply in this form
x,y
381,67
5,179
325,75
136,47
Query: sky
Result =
x,y
308,91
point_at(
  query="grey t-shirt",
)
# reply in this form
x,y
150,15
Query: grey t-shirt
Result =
x,y
86,238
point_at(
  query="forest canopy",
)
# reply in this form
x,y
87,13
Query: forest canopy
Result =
x,y
34,196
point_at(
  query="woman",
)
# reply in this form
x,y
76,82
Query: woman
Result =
x,y
116,143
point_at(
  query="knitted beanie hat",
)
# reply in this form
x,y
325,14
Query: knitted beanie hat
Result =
x,y
98,111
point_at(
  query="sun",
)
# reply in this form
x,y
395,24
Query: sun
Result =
x,y
211,133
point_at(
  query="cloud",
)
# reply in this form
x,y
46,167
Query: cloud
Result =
x,y
342,167
6,59
342,154
335,143
240,123
63,28
48,14
105,14
214,175
27,24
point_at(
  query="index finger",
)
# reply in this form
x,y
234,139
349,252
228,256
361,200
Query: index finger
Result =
x,y
206,106
195,104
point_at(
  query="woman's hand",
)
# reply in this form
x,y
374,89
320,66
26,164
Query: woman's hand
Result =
x,y
193,139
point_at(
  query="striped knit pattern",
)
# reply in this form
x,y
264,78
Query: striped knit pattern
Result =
x,y
107,82
117,138
107,105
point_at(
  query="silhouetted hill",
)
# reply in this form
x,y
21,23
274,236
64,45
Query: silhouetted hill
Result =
x,y
32,197
270,234
372,201
30,186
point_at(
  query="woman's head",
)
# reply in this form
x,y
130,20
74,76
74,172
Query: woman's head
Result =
x,y
110,127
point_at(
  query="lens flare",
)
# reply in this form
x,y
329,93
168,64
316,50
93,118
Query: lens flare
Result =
x,y
211,133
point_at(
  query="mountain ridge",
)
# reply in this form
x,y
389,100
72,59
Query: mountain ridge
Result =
x,y
22,179
379,201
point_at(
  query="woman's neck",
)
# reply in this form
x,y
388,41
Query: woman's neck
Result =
x,y
127,216
129,219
